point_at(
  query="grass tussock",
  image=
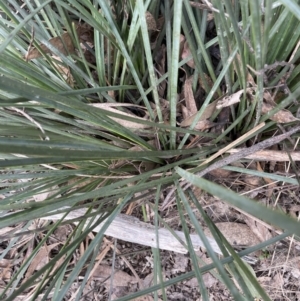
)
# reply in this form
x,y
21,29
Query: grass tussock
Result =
x,y
182,114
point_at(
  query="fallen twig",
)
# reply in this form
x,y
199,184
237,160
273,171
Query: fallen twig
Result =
x,y
245,152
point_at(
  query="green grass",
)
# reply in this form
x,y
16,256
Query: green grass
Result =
x,y
53,138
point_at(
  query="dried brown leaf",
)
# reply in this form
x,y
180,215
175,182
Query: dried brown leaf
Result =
x,y
261,231
64,43
189,96
64,71
209,83
221,173
40,260
236,234
180,263
282,116
204,125
186,52
272,183
250,80
160,59
62,232
224,118
210,109
148,281
277,280
85,33
199,5
253,181
150,20
181,44
230,100
4,263
160,22
208,279
265,281
184,112
5,274
120,278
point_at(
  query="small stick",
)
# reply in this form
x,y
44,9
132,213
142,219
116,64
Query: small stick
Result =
x,y
230,159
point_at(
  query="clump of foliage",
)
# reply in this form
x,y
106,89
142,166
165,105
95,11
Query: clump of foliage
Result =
x,y
103,103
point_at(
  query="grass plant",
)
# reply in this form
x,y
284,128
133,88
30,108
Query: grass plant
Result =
x,y
91,120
